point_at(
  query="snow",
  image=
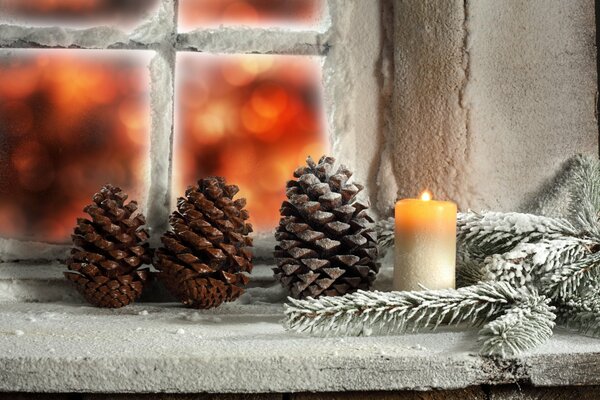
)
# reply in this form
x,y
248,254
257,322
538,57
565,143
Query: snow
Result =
x,y
239,348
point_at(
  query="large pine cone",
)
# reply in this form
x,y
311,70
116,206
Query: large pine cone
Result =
x,y
109,251
205,257
327,245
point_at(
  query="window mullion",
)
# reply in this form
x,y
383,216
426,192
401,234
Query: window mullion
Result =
x,y
251,41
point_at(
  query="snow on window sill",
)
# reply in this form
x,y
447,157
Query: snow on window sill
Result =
x,y
242,347
51,341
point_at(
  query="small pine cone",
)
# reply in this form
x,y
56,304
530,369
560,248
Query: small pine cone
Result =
x,y
205,258
326,243
109,251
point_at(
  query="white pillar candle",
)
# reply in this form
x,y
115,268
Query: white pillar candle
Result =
x,y
425,239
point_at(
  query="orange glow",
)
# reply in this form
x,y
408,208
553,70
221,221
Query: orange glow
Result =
x,y
426,195
64,131
78,12
249,122
212,13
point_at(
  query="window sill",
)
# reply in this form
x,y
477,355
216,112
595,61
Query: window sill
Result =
x,y
241,347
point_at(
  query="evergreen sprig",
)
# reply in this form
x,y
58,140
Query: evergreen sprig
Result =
x,y
496,232
584,206
523,326
531,263
385,234
582,314
568,281
363,312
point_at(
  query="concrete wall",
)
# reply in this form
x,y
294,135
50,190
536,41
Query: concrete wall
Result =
x,y
489,98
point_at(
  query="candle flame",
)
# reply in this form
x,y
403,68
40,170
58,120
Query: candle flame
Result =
x,y
426,195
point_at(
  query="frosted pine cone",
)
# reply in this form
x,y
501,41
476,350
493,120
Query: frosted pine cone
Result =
x,y
326,243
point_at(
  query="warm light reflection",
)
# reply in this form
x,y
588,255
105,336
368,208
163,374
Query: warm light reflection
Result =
x,y
252,119
70,121
79,12
212,13
426,195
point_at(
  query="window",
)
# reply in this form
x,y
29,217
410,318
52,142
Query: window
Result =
x,y
76,13
251,119
237,92
70,120
213,13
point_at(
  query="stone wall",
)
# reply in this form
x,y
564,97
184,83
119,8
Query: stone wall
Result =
x,y
488,98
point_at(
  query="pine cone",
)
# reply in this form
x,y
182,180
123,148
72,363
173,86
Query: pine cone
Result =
x,y
204,259
327,245
109,251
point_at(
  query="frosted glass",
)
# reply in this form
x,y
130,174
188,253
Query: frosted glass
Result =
x,y
78,13
252,119
70,121
264,13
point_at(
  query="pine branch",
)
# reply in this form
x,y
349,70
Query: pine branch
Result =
x,y
568,281
582,314
496,232
584,205
469,268
385,229
522,327
552,200
528,263
362,313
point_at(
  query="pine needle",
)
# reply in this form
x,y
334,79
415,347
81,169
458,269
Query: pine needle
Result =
x,y
522,327
362,312
496,232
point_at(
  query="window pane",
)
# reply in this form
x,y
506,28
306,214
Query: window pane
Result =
x,y
76,12
252,119
70,121
212,13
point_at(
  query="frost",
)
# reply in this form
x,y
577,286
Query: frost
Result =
x,y
154,29
272,294
11,249
180,331
19,332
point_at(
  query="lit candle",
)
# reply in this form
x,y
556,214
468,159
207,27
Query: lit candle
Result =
x,y
425,244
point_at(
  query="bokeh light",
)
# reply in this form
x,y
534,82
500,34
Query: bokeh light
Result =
x,y
250,118
212,13
77,12
70,121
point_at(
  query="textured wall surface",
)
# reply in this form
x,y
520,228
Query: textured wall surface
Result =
x,y
489,98
532,94
352,86
428,137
